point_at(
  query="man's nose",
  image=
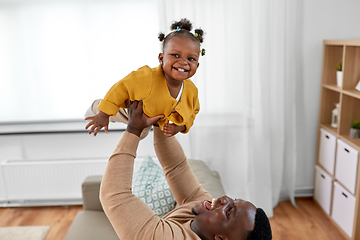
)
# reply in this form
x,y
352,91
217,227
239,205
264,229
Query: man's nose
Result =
x,y
226,200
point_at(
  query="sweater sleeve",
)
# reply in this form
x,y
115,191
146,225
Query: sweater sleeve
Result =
x,y
129,216
182,181
115,98
134,86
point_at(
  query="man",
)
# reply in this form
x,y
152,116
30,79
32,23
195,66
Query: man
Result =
x,y
195,218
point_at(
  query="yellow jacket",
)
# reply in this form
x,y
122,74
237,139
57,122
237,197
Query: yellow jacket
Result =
x,y
149,85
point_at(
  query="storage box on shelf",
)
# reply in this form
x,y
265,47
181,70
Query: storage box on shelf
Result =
x,y
337,175
327,151
343,208
346,165
323,189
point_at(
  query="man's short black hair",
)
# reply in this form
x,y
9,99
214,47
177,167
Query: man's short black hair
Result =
x,y
262,229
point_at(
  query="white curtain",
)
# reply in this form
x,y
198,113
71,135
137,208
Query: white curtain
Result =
x,y
249,125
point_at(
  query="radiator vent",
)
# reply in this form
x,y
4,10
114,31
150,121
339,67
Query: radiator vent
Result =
x,y
48,180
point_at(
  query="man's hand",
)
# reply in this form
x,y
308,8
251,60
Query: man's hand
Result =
x,y
137,119
98,121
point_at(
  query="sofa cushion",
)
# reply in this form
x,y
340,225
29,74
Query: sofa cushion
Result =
x,y
150,186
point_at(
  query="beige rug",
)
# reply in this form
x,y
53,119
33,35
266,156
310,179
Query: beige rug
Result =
x,y
24,233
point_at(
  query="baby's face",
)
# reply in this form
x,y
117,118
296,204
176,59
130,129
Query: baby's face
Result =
x,y
180,59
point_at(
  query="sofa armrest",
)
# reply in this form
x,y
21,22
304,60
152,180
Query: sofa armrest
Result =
x,y
90,193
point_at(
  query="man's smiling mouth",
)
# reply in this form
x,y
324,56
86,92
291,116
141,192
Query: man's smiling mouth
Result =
x,y
209,205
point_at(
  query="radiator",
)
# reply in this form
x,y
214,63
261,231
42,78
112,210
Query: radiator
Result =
x,y
47,182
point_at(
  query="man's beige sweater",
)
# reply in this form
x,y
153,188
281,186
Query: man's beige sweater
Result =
x,y
131,218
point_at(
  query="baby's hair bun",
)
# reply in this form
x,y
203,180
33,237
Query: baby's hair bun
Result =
x,y
183,24
199,34
202,51
161,37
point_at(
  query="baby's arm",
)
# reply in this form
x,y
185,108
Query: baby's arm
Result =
x,y
170,129
98,121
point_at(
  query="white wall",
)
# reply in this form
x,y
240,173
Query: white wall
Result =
x,y
322,19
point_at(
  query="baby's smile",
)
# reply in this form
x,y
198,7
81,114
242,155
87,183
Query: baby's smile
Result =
x,y
181,69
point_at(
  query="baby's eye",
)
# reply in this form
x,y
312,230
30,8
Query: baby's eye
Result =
x,y
175,55
191,59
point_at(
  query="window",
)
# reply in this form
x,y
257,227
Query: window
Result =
x,y
58,56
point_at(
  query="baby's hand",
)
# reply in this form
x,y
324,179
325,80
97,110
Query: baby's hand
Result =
x,y
98,121
171,129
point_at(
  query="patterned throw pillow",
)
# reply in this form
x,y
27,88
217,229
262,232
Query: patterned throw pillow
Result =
x,y
150,186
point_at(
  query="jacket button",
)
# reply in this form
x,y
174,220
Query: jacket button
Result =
x,y
178,107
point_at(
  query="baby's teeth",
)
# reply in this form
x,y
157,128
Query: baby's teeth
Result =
x,y
181,70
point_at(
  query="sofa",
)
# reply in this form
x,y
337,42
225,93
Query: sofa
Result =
x,y
92,223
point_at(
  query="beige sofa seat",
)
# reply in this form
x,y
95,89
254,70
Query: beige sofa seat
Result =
x,y
92,223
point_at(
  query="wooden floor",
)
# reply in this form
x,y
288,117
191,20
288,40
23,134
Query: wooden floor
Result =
x,y
307,222
59,218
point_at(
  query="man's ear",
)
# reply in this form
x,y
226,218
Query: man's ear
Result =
x,y
219,237
161,58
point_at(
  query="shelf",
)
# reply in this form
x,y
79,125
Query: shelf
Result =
x,y
352,93
333,87
347,52
355,142
329,128
342,42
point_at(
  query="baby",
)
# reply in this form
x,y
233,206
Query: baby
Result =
x,y
165,90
